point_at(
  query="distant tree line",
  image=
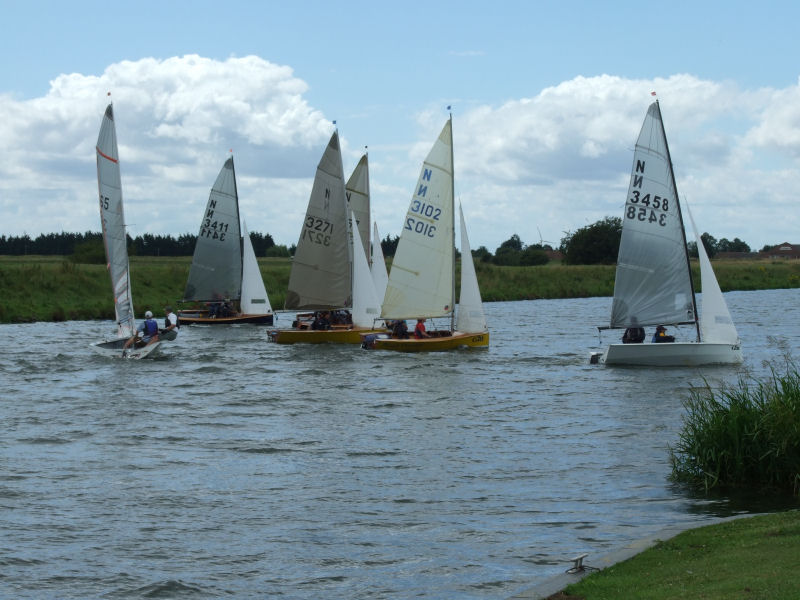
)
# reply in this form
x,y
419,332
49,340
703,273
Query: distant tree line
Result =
x,y
143,245
598,243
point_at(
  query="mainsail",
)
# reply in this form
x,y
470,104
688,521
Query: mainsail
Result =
x,y
113,221
357,190
216,271
470,317
421,279
366,304
321,274
653,282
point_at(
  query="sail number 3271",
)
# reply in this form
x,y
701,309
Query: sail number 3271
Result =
x,y
646,208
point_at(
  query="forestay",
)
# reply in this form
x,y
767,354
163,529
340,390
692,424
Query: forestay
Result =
x,y
421,278
216,271
113,222
653,284
716,324
321,275
470,317
254,294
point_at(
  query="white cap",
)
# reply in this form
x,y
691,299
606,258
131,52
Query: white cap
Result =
x,y
148,315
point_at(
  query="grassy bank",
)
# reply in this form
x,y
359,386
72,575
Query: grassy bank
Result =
x,y
51,288
755,557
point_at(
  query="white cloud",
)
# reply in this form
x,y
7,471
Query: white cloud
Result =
x,y
552,162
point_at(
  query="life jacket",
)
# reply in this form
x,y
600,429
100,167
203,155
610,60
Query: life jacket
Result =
x,y
177,321
150,327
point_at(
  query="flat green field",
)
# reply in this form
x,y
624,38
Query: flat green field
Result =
x,y
52,288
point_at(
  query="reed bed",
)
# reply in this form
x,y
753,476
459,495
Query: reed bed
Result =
x,y
744,436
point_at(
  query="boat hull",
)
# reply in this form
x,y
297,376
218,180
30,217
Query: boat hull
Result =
x,y
201,318
676,354
431,344
329,336
114,348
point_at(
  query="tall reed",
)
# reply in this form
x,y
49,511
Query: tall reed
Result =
x,y
742,436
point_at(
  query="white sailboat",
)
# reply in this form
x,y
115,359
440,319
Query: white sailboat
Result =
x,y
653,284
422,278
326,273
224,266
112,219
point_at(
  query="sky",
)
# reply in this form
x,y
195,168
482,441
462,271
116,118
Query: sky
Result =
x,y
547,101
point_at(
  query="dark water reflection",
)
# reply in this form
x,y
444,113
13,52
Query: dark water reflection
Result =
x,y
234,467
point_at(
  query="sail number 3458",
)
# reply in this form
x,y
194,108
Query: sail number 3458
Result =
x,y
646,208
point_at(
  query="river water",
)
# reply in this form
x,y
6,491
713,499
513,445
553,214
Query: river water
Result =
x,y
233,467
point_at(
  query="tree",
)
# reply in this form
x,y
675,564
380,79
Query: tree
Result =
x,y
482,254
389,245
506,256
533,255
597,243
709,243
514,243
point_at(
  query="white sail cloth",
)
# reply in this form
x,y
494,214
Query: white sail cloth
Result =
x,y
716,324
321,275
653,281
216,270
421,278
470,317
254,295
112,218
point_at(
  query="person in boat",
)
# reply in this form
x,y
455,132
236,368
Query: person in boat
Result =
x,y
633,335
321,321
171,325
400,329
660,336
419,330
226,310
148,330
213,309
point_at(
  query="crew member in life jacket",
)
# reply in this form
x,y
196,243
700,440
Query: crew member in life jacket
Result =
x,y
660,336
148,330
171,325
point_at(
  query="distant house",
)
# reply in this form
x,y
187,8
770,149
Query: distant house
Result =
x,y
554,255
738,255
784,250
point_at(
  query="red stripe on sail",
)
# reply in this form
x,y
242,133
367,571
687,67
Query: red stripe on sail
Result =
x,y
100,152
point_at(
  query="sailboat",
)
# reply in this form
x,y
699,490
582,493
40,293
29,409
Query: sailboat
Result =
x,y
653,285
422,278
330,274
224,268
112,219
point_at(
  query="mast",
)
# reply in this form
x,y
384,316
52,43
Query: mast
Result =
x,y
680,218
238,220
453,227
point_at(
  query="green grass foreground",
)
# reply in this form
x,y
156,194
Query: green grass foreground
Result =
x,y
53,288
755,558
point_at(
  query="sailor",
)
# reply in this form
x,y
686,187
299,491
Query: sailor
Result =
x,y
171,325
148,330
419,330
660,336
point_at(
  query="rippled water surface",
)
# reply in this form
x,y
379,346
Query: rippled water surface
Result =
x,y
232,467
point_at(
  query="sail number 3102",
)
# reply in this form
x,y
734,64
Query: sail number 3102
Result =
x,y
426,210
